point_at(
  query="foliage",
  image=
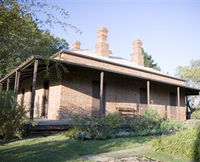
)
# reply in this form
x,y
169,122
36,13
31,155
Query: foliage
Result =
x,y
72,132
190,73
77,133
20,36
82,135
12,117
196,115
149,62
96,128
114,125
185,143
171,126
149,119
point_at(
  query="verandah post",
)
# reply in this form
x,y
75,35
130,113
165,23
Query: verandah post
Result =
x,y
148,92
178,102
16,86
33,89
101,94
8,85
1,86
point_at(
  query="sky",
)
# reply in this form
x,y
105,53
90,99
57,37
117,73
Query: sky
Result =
x,y
169,29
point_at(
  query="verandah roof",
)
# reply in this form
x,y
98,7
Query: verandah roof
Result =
x,y
26,70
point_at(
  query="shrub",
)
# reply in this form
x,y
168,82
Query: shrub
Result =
x,y
149,119
12,116
72,132
82,135
112,121
185,143
196,114
152,114
78,134
114,125
171,126
102,128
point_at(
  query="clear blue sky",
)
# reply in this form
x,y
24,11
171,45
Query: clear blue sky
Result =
x,y
169,29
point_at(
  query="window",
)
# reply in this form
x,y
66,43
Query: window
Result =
x,y
172,99
143,95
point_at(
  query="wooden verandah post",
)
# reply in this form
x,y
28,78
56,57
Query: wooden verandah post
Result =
x,y
102,111
8,85
33,89
1,86
148,92
16,85
178,102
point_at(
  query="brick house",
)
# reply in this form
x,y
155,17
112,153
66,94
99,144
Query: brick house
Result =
x,y
96,83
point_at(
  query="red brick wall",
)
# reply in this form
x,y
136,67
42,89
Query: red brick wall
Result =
x,y
120,92
54,94
73,94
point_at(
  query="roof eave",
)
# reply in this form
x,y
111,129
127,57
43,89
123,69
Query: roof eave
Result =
x,y
84,56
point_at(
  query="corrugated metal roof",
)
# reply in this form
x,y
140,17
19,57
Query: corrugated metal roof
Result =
x,y
119,60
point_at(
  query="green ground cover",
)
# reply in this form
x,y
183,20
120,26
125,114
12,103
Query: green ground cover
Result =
x,y
60,148
185,144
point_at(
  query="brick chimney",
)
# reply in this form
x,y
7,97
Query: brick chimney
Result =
x,y
76,45
137,56
102,47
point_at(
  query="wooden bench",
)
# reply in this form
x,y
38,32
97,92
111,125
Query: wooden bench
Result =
x,y
126,112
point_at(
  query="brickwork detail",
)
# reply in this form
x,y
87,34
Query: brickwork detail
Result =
x,y
102,47
76,45
137,56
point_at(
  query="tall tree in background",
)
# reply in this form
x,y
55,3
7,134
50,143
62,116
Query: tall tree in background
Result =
x,y
149,62
190,73
21,35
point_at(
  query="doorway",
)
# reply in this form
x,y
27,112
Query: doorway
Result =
x,y
45,100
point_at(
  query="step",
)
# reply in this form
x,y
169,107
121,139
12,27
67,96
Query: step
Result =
x,y
50,127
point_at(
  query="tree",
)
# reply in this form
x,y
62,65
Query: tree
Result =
x,y
149,62
20,36
190,73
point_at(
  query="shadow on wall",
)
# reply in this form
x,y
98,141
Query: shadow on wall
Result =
x,y
73,111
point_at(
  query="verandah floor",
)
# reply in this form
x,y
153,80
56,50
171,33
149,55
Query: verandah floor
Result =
x,y
52,122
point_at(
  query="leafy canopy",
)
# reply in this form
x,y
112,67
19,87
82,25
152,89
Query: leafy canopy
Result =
x,y
20,35
190,73
149,62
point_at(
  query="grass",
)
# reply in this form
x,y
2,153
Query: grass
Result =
x,y
164,157
60,148
185,144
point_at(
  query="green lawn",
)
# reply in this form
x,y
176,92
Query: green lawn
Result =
x,y
60,148
164,157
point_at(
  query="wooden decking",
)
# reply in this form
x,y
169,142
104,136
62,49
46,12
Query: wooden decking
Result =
x,y
52,122
46,126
